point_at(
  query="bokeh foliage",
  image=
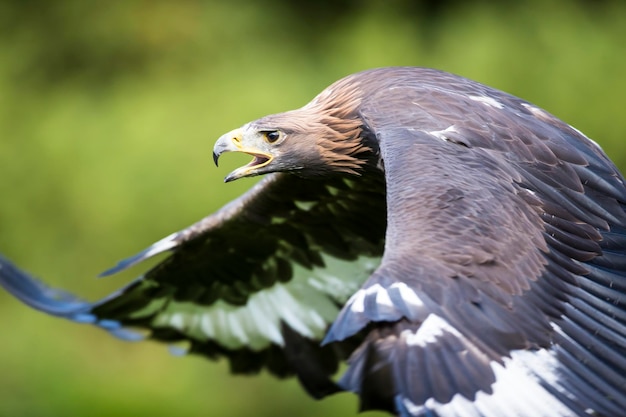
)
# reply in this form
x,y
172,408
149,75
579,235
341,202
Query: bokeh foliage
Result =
x,y
108,113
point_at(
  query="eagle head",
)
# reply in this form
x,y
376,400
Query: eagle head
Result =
x,y
325,136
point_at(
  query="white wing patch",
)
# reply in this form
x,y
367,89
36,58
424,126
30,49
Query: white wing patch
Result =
x,y
429,331
307,303
517,391
488,101
443,134
356,302
408,295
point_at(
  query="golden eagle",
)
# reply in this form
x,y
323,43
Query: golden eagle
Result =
x,y
463,251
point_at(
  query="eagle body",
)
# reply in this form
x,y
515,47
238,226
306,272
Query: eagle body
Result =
x,y
461,249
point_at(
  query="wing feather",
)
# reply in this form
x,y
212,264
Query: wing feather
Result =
x,y
239,280
547,304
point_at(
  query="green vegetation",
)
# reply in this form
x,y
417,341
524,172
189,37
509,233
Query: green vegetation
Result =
x,y
108,114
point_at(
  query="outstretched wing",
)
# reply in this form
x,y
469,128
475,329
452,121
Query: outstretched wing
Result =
x,y
502,289
258,282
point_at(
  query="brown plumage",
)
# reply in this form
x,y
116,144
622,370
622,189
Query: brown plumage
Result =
x,y
463,250
331,124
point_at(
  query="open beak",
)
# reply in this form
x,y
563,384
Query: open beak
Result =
x,y
234,141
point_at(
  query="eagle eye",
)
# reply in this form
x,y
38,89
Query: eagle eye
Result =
x,y
271,136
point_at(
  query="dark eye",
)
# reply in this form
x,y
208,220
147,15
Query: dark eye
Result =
x,y
272,136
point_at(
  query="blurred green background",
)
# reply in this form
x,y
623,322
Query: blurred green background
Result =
x,y
108,114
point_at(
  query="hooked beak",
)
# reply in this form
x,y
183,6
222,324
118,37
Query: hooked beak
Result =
x,y
233,141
